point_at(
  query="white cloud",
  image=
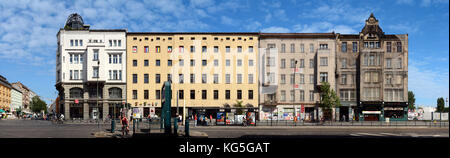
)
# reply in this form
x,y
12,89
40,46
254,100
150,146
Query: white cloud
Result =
x,y
253,26
226,20
404,28
324,27
275,29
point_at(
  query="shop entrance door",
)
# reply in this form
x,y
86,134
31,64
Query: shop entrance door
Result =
x,y
343,111
371,117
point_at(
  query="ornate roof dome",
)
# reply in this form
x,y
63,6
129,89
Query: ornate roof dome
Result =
x,y
74,22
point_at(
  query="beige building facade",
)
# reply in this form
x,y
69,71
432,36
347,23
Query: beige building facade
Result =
x,y
294,65
208,71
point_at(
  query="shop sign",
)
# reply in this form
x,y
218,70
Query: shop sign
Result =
x,y
393,108
371,112
76,101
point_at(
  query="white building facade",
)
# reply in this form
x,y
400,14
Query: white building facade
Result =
x,y
16,99
90,70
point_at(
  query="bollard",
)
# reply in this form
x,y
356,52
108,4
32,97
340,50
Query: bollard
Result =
x,y
175,126
113,125
134,129
186,127
149,125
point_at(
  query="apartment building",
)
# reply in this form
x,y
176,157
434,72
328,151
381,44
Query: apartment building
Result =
x,y
372,73
16,99
209,71
5,94
293,65
27,95
90,70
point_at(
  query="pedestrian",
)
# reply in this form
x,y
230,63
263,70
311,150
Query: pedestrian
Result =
x,y
125,129
210,119
195,120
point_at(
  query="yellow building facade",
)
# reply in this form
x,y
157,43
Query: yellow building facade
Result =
x,y
208,70
5,94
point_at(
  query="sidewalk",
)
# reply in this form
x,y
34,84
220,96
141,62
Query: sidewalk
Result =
x,y
143,133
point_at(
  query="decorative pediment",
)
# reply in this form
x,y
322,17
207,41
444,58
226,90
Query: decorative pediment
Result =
x,y
372,30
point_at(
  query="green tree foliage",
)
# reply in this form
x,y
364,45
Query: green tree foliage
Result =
x,y
239,105
440,105
411,100
329,98
37,104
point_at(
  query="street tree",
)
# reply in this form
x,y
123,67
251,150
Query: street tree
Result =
x,y
411,100
239,105
37,105
329,99
440,105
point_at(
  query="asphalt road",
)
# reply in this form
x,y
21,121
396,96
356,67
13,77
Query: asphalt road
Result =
x,y
325,132
45,129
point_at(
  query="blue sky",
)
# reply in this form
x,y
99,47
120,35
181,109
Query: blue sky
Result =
x,y
28,30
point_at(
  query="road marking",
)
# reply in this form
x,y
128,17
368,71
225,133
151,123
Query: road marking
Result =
x,y
370,134
391,134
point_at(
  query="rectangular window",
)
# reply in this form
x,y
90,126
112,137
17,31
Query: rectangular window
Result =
x,y
71,75
158,94
204,94
181,49
71,43
135,78
227,49
399,64
146,50
302,78
283,79
181,78
157,49
192,49
355,47
239,62
399,46
323,46
227,94
374,77
388,63
157,78
292,78
250,49
75,74
344,79
283,48
250,78
180,94
366,44
134,50
283,63
250,94
344,63
227,79
311,63
76,42
302,63
145,62
135,63
75,58
311,48
302,95
181,62
239,94
216,78
216,94
169,62
388,47
367,77
311,95
227,62
323,61
169,49
282,95
344,47
204,49
95,54
204,79
145,94
71,58
292,95
119,43
135,94
169,77
192,94
216,49
311,78
204,62
115,43
216,62
158,62
293,63
239,78
239,48
302,48
323,77
192,78
95,72
192,62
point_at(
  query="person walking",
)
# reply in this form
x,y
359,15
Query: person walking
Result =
x,y
125,129
195,120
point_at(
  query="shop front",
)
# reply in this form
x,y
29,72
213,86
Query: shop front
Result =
x,y
371,111
396,111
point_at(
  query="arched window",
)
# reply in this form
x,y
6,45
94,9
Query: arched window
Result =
x,y
115,92
76,93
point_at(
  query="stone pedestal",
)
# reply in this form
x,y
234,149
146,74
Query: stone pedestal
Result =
x,y
67,111
85,111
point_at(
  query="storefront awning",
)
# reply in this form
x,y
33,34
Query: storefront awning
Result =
x,y
371,112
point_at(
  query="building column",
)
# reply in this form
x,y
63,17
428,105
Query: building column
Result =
x,y
86,111
105,110
67,111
